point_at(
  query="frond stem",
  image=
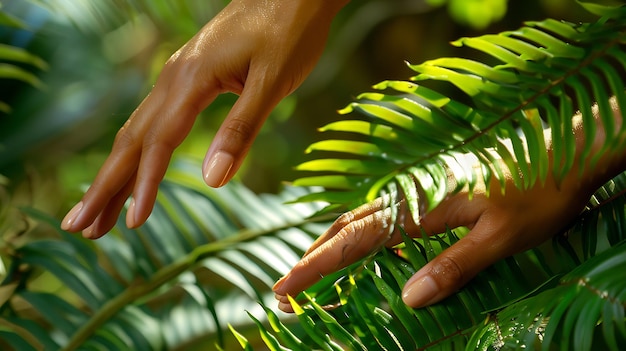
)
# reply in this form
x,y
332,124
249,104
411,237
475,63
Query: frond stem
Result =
x,y
507,116
167,274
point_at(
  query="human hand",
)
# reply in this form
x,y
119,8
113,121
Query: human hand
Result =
x,y
501,224
260,50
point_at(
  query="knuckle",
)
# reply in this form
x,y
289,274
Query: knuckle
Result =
x,y
239,132
153,139
448,272
354,228
125,139
180,69
345,219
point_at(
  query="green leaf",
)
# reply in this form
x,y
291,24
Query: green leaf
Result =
x,y
241,339
15,54
610,8
9,71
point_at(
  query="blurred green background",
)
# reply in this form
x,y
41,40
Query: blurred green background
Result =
x,y
103,56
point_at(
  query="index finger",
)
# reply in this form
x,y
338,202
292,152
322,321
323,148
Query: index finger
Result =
x,y
351,243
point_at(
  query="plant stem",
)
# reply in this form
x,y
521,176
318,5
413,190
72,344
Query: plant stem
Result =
x,y
167,274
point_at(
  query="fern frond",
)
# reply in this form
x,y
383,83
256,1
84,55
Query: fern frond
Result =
x,y
526,301
368,312
131,288
537,76
588,300
10,55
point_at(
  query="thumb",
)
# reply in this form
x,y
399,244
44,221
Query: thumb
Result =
x,y
456,265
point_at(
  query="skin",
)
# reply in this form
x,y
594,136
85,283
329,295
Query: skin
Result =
x,y
262,50
500,224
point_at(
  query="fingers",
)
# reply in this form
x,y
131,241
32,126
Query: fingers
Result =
x,y
358,233
355,240
167,131
115,173
344,220
489,241
238,131
139,158
109,214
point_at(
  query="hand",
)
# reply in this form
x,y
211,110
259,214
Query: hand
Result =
x,y
260,50
500,225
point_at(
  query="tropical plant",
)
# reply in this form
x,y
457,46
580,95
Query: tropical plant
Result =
x,y
10,55
413,139
177,281
167,284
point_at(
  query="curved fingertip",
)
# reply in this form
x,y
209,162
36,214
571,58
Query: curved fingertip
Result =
x,y
285,307
421,291
217,167
277,287
69,221
96,229
438,279
139,210
131,216
88,233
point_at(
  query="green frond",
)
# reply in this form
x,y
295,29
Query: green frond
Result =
x,y
10,21
10,55
609,8
166,284
586,300
534,81
411,140
522,302
368,313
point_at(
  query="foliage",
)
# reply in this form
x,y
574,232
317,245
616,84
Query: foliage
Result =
x,y
541,73
521,302
475,13
411,142
205,254
10,55
163,286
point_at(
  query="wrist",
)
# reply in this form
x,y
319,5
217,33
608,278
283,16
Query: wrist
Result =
x,y
603,162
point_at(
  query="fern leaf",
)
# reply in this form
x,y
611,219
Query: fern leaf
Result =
x,y
536,79
167,283
397,327
588,296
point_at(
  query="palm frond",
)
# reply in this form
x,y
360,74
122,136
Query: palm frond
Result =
x,y
410,143
200,249
536,76
585,309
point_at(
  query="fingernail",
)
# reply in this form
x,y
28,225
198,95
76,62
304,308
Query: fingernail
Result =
x,y
278,285
285,307
281,298
71,216
88,232
420,292
131,221
216,169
